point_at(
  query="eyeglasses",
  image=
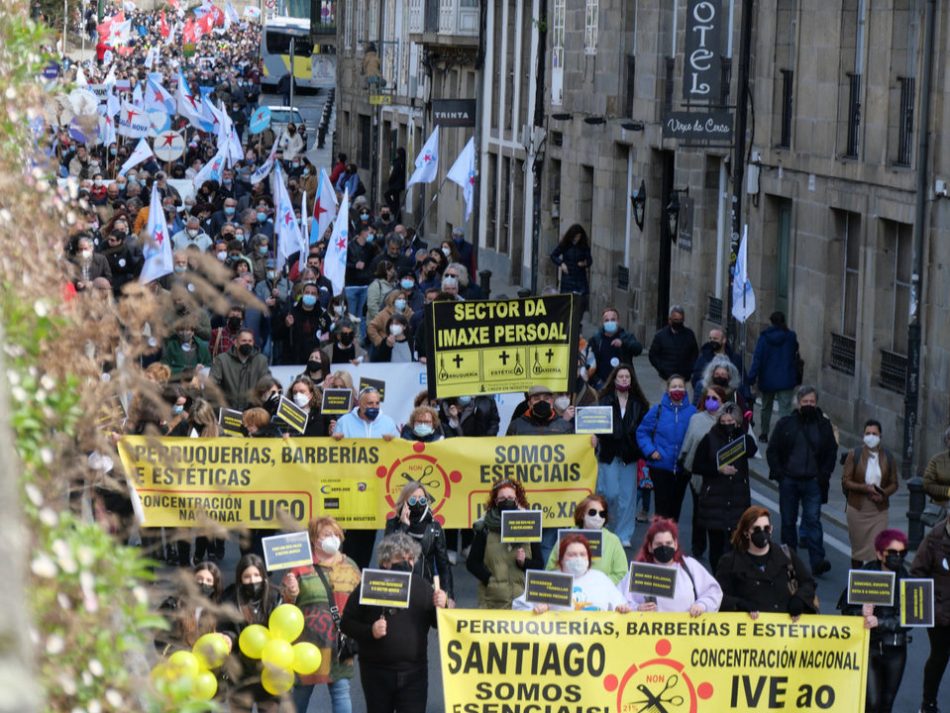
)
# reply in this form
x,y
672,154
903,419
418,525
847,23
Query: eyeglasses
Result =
x,y
417,500
593,512
767,528
899,553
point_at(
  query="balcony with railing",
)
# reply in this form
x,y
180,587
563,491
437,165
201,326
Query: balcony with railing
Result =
x,y
444,22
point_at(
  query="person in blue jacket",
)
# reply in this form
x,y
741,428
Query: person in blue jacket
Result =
x,y
775,367
660,437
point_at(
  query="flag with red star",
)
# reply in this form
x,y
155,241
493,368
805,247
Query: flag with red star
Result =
x,y
142,153
290,239
157,98
133,122
427,162
324,208
334,264
158,244
463,173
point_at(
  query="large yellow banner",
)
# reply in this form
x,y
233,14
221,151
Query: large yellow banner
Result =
x,y
266,483
603,662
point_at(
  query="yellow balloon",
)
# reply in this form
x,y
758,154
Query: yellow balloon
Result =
x,y
252,640
286,622
206,685
278,653
211,650
307,658
276,681
184,663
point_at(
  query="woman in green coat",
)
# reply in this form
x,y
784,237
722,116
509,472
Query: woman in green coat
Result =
x,y
591,514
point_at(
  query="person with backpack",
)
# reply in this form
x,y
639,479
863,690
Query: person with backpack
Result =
x,y
759,576
869,479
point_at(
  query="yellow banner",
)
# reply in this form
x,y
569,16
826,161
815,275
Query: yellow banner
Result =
x,y
603,662
263,483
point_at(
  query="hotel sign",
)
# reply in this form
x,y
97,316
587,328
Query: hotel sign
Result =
x,y
702,72
713,126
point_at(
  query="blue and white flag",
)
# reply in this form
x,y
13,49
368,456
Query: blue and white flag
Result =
x,y
743,296
158,244
157,98
211,171
427,162
334,264
463,173
290,239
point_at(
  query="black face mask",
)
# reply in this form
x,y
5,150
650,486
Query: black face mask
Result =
x,y
417,511
808,413
713,346
252,592
346,339
507,504
893,561
234,323
245,350
314,366
720,381
761,538
676,326
207,590
664,553
541,410
403,566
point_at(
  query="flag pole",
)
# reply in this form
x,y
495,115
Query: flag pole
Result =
x,y
435,196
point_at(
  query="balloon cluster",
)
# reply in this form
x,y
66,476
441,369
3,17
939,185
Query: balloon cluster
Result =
x,y
274,646
188,675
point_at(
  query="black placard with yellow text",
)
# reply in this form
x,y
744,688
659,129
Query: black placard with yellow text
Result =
x,y
501,346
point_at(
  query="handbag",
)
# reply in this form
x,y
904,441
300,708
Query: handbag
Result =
x,y
346,647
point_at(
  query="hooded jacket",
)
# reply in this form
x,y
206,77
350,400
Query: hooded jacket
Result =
x,y
773,364
236,378
663,429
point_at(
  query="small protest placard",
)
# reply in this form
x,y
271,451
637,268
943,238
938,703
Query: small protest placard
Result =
x,y
870,587
385,588
595,538
731,452
291,414
521,526
594,419
551,588
917,602
231,422
287,551
377,384
336,402
652,579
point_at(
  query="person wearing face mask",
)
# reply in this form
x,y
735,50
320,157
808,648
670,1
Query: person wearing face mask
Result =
x,y
184,353
887,653
721,372
609,347
500,567
250,600
192,235
869,479
378,329
696,592
724,494
423,425
394,667
674,349
802,454
660,437
710,399
223,338
932,561
775,367
716,344
591,513
302,328
315,369
759,576
397,346
592,589
193,612
539,419
573,259
344,348
89,265
236,371
382,285
304,394
618,452
322,591
414,518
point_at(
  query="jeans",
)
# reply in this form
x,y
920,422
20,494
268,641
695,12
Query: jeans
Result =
x,y
885,671
389,691
356,303
669,489
937,662
804,492
719,544
549,540
617,482
784,406
698,539
339,696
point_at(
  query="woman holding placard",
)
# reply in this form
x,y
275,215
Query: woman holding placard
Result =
x,y
593,590
498,566
722,459
327,583
888,651
696,590
592,513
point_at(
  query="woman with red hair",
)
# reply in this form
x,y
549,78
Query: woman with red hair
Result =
x,y
593,590
697,591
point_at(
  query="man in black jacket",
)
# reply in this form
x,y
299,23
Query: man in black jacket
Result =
x,y
802,452
674,349
393,642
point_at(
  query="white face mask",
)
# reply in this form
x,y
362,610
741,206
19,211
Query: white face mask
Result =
x,y
576,566
871,440
395,329
338,310
301,399
222,255
86,254
593,522
330,544
561,403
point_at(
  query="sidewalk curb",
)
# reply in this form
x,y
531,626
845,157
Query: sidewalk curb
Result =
x,y
773,487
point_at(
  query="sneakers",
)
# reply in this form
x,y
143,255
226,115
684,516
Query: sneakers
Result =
x,y
929,707
822,567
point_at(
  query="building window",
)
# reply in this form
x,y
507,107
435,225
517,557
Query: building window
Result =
x,y
374,21
557,52
905,129
851,236
348,26
361,22
788,84
591,16
630,86
366,137
854,114
899,246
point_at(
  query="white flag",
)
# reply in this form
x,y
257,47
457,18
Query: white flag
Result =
x,y
211,171
133,122
142,153
189,106
286,228
334,264
263,171
81,80
463,173
106,130
427,162
158,244
743,296
324,208
305,227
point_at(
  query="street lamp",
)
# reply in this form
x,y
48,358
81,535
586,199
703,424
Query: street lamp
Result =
x,y
673,212
639,203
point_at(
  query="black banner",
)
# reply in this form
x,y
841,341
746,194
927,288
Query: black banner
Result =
x,y
453,112
702,72
714,126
